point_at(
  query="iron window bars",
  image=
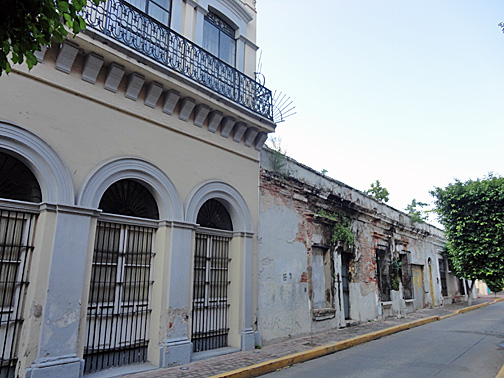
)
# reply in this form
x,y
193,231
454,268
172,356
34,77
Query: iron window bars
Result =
x,y
210,292
119,306
16,232
126,24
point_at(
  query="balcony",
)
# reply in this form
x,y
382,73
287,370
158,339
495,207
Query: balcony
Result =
x,y
131,27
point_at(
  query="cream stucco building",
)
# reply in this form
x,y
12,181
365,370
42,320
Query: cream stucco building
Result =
x,y
129,161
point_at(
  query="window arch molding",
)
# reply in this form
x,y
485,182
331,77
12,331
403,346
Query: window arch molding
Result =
x,y
161,187
228,196
48,167
231,11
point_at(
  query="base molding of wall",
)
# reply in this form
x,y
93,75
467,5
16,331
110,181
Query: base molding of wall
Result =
x,y
247,339
61,366
175,352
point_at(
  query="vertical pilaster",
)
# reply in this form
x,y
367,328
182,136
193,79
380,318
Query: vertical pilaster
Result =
x,y
176,348
57,346
240,54
198,28
247,332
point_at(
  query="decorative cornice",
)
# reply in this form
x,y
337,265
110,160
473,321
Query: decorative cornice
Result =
x,y
238,9
76,210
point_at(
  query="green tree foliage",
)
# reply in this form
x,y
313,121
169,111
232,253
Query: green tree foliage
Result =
x,y
495,284
472,213
378,192
414,210
29,24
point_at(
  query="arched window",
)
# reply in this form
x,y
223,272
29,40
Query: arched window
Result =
x,y
119,302
219,38
211,278
213,214
128,197
17,182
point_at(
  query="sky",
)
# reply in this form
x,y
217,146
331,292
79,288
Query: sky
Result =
x,y
408,92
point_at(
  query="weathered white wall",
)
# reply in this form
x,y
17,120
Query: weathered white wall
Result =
x,y
289,225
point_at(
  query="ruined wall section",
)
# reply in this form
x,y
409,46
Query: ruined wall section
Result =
x,y
291,225
287,232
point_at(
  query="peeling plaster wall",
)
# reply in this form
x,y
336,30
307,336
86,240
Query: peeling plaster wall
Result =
x,y
283,301
291,198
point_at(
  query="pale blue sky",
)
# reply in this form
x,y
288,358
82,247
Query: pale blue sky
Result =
x,y
409,92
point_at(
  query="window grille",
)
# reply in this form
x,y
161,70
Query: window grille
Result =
x,y
16,232
210,292
129,198
118,307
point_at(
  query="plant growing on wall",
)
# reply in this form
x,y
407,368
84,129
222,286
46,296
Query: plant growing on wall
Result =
x,y
378,192
416,212
395,270
278,157
342,232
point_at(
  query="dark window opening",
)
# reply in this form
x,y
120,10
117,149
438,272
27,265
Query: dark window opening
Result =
x,y
383,273
213,214
129,198
17,182
406,276
442,273
346,258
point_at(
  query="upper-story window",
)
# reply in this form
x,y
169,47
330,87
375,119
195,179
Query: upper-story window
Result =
x,y
157,9
218,38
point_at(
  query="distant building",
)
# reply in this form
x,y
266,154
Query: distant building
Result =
x,y
129,165
309,281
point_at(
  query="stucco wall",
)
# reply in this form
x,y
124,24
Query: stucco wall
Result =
x,y
291,224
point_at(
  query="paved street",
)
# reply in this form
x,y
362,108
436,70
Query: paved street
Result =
x,y
226,363
465,345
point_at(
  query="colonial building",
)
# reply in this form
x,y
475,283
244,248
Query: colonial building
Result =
x,y
129,170
330,255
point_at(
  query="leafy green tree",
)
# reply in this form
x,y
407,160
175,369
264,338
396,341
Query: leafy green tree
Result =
x,y
378,192
495,284
472,213
29,24
415,211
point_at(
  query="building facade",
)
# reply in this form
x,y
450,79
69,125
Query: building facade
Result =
x,y
129,161
330,255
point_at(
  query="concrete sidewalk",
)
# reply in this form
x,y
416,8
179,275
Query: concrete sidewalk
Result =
x,y
275,356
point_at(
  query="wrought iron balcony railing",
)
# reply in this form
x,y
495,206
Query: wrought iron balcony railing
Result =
x,y
126,24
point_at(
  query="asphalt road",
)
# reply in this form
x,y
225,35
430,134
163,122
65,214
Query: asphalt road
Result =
x,y
462,346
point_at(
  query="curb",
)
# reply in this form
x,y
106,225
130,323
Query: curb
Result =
x,y
296,358
500,374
